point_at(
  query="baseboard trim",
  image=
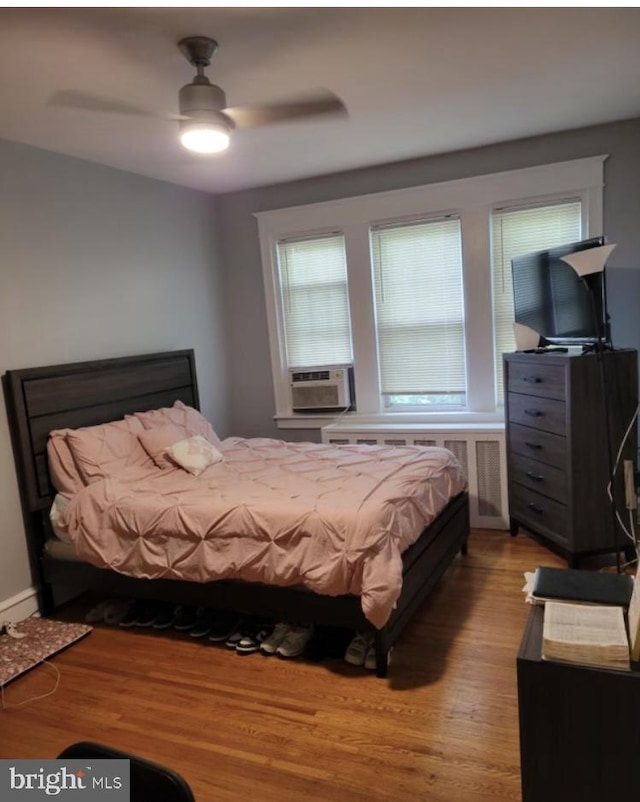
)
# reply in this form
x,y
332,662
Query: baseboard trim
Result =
x,y
20,606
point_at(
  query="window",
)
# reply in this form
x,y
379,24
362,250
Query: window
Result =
x,y
315,300
413,287
515,232
419,313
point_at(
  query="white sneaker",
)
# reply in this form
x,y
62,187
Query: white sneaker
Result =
x,y
280,632
295,641
370,659
358,649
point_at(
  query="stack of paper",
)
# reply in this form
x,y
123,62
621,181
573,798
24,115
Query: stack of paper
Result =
x,y
591,635
634,619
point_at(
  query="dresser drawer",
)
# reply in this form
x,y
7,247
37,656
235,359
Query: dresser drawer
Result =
x,y
541,446
545,479
541,514
533,377
546,414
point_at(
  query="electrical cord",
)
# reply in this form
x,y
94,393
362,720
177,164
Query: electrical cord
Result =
x,y
630,533
24,702
342,413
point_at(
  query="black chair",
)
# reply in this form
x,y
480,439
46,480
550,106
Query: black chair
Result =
x,y
150,782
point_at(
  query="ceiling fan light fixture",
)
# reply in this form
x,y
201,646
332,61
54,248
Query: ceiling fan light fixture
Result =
x,y
204,137
203,129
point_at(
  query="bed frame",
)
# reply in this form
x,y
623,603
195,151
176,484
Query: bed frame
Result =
x,y
88,393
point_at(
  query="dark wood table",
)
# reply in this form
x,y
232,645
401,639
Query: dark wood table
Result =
x,y
579,727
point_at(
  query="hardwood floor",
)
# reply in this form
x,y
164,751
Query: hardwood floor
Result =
x,y
443,726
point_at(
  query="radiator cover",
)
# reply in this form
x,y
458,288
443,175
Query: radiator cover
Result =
x,y
480,449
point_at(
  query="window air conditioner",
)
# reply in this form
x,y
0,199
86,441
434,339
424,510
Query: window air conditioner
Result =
x,y
320,390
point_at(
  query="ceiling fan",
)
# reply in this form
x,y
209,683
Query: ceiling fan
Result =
x,y
205,120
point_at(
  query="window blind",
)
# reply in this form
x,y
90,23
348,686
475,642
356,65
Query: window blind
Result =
x,y
315,301
419,307
515,232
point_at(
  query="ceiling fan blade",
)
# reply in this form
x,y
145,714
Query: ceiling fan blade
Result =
x,y
324,103
85,101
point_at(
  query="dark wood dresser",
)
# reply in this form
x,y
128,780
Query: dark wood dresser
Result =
x,y
579,727
558,457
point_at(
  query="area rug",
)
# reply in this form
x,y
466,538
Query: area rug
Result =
x,y
44,638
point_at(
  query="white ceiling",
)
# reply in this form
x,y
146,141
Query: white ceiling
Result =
x,y
416,81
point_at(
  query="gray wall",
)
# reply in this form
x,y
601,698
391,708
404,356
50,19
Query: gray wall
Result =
x,y
249,375
99,263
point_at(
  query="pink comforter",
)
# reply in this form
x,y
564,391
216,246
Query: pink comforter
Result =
x,y
332,518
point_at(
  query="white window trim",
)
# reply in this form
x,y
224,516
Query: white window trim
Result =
x,y
473,199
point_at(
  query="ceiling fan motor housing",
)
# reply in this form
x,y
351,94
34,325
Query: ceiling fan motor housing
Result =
x,y
203,103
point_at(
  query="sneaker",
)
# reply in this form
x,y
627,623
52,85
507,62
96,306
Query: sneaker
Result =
x,y
245,628
234,637
252,636
370,659
270,644
148,614
96,614
295,641
116,610
139,610
186,618
358,649
224,624
165,617
203,623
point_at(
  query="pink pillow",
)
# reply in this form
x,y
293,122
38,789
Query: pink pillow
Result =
x,y
62,466
157,440
105,450
181,415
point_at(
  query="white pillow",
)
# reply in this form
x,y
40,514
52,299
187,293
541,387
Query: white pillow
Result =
x,y
194,454
55,513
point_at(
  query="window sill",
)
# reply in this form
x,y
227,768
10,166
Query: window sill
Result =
x,y
393,421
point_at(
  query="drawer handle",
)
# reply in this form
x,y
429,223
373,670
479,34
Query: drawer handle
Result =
x,y
532,445
536,507
532,379
535,477
534,413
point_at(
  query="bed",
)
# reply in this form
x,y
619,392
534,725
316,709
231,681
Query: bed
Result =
x,y
72,396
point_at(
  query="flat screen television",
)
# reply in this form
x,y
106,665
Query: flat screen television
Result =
x,y
550,298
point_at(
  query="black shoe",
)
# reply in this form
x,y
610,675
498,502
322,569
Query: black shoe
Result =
x,y
204,622
165,617
137,609
186,618
224,624
252,634
148,614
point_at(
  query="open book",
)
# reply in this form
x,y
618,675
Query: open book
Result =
x,y
591,635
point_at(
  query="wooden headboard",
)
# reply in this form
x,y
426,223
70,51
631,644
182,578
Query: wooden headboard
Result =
x,y
39,400
84,394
